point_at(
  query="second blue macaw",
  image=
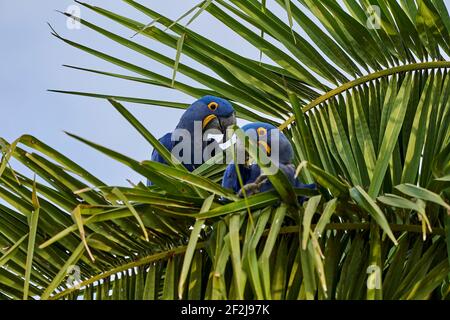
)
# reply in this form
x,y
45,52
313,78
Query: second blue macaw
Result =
x,y
253,180
210,113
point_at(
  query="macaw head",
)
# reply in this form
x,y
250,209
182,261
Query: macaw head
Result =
x,y
270,140
212,112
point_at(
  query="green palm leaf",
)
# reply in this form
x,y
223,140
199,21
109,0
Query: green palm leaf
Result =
x,y
367,111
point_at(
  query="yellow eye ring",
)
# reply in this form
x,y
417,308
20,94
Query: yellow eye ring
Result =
x,y
261,131
213,106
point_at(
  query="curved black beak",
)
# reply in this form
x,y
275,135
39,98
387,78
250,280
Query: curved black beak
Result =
x,y
219,123
227,122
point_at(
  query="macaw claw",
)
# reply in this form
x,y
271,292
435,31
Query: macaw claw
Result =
x,y
253,188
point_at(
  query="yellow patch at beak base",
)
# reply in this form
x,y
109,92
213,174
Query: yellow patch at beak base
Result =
x,y
266,146
207,120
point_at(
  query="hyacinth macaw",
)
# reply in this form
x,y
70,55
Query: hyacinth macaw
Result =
x,y
252,178
209,113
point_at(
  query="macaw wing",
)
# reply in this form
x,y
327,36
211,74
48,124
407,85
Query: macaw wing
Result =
x,y
248,175
289,171
230,178
166,141
299,184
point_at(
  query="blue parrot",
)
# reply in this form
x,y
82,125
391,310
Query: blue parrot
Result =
x,y
253,180
210,114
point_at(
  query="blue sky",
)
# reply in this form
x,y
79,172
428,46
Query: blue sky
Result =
x,y
31,62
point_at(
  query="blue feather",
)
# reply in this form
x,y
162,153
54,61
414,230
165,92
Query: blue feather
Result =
x,y
197,112
251,173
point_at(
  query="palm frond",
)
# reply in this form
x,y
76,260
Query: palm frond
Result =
x,y
367,110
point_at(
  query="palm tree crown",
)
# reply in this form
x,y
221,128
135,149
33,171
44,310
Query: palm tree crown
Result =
x,y
362,92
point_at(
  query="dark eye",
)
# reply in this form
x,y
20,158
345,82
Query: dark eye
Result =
x,y
213,106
